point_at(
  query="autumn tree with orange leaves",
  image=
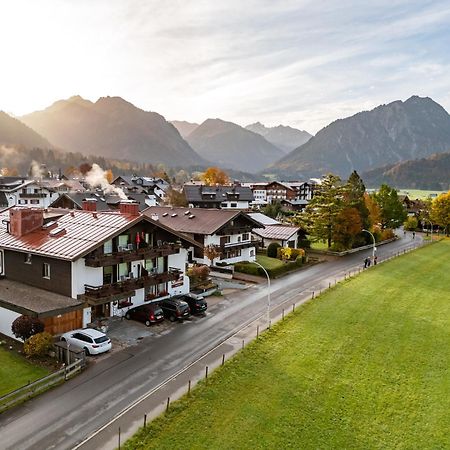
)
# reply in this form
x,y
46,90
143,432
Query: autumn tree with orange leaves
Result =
x,y
214,175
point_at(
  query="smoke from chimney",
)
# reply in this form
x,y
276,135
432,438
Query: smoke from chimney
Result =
x,y
96,178
36,171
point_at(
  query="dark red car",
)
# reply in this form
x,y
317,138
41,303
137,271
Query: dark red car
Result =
x,y
148,314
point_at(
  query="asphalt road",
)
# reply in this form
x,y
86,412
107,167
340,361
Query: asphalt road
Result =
x,y
64,416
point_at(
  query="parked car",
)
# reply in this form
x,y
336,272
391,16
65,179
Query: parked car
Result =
x,y
197,303
175,309
150,313
89,339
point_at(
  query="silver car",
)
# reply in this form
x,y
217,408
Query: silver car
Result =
x,y
91,341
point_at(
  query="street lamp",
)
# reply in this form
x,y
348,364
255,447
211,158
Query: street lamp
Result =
x,y
374,249
431,225
268,292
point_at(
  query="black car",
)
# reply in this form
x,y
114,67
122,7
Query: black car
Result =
x,y
197,303
175,309
151,313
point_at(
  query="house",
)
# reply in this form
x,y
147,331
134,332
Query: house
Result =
x,y
223,197
294,205
33,193
156,187
304,190
104,202
284,235
71,268
227,232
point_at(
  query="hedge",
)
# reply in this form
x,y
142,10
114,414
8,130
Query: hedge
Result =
x,y
252,269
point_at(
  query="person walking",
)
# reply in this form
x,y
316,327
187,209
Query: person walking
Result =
x,y
375,259
365,263
414,234
369,261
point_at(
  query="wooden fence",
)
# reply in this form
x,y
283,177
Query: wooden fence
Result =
x,y
41,385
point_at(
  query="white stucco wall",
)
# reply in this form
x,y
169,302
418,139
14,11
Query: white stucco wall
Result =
x,y
7,317
82,275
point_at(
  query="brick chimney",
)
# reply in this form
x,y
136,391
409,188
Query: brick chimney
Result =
x,y
129,207
25,220
89,204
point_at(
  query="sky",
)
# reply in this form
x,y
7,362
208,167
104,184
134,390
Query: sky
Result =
x,y
298,63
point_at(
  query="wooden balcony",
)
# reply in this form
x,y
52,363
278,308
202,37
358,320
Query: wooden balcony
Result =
x,y
97,295
238,245
131,254
32,195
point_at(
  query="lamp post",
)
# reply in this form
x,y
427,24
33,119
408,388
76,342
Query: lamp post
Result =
x,y
374,249
431,228
268,291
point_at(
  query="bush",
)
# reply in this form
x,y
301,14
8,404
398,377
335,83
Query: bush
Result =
x,y
38,344
25,326
411,223
272,250
290,254
198,273
299,260
388,233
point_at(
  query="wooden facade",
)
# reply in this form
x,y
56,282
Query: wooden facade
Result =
x,y
63,322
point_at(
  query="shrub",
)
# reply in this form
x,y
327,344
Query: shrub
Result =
x,y
38,344
290,254
25,326
388,233
411,223
299,260
198,273
272,250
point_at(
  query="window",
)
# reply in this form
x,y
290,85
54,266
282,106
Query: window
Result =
x,y
27,259
122,271
36,191
1,262
245,237
23,202
46,270
108,247
233,205
34,202
252,253
107,275
123,241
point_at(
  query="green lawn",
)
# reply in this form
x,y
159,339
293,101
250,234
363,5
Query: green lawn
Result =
x,y
16,371
364,366
269,263
320,245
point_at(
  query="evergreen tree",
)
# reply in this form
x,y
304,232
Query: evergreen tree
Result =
x,y
393,214
320,216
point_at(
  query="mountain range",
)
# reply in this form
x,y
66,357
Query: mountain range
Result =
x,y
14,133
388,134
113,128
285,138
231,146
431,173
184,128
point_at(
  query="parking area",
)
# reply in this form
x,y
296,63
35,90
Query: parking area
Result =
x,y
127,333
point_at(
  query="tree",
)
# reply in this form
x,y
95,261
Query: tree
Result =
x,y
354,197
374,212
212,252
272,249
109,176
25,326
322,211
176,198
410,223
440,211
392,212
214,175
85,168
347,227
272,209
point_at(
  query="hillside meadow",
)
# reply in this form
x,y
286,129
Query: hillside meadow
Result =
x,y
363,366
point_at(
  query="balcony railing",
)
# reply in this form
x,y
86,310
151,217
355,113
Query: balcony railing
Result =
x,y
32,195
96,295
237,245
131,254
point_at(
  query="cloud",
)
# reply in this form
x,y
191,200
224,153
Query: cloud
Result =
x,y
301,63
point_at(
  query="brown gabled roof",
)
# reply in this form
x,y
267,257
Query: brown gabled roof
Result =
x,y
81,232
195,220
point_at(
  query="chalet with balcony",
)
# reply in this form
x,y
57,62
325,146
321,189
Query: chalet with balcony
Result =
x,y
221,197
228,233
71,268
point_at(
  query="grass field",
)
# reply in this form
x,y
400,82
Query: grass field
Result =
x,y
420,194
364,366
16,371
320,245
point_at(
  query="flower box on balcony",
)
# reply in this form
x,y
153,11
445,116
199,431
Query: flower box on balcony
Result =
x,y
124,304
150,297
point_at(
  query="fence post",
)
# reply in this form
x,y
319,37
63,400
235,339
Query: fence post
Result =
x,y
257,331
168,403
293,307
189,387
282,314
145,420
242,343
119,438
223,359
312,296
206,372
